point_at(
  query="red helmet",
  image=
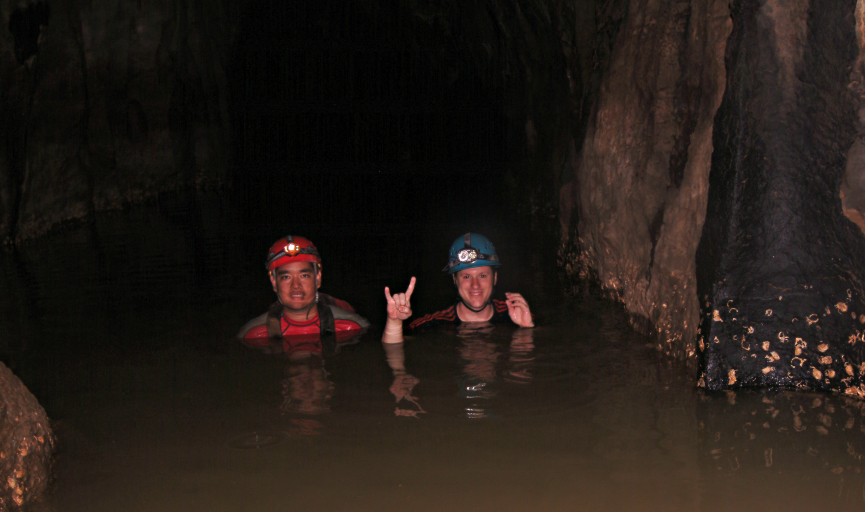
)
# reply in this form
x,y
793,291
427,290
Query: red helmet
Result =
x,y
290,249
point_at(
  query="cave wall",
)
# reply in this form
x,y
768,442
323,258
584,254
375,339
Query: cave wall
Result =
x,y
718,189
102,104
633,212
110,103
780,265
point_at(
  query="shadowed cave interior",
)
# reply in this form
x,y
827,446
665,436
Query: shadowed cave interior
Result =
x,y
676,185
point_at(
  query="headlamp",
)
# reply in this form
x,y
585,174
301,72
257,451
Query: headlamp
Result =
x,y
291,249
468,255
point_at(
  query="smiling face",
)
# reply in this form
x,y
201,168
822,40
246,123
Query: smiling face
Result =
x,y
295,284
475,285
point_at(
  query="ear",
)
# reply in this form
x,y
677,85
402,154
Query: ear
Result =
x,y
495,277
454,276
272,280
318,279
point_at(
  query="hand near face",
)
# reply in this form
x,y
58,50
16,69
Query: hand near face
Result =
x,y
399,304
519,310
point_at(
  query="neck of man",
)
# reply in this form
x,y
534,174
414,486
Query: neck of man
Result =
x,y
467,315
301,315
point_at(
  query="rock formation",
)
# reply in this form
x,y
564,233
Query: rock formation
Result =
x,y
779,263
26,443
636,204
757,181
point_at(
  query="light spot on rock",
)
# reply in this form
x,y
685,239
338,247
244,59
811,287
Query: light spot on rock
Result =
x,y
768,312
812,318
841,307
731,377
768,369
816,373
823,347
716,316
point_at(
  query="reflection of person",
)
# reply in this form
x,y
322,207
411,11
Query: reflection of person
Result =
x,y
301,315
403,382
484,363
306,388
473,265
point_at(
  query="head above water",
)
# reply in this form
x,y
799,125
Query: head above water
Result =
x,y
290,249
469,251
294,268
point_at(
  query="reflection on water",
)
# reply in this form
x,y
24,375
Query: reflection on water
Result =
x,y
306,389
403,382
483,362
755,440
158,407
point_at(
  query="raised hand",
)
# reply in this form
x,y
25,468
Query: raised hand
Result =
x,y
519,310
399,304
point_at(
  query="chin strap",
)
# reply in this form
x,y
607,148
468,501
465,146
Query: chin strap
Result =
x,y
488,302
473,310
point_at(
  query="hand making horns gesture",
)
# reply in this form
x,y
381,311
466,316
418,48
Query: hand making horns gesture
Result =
x,y
398,304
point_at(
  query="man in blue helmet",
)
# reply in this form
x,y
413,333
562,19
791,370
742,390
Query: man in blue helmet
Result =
x,y
473,264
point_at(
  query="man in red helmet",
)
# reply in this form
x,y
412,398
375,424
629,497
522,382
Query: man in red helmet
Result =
x,y
301,316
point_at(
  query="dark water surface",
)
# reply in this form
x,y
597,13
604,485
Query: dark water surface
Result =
x,y
123,329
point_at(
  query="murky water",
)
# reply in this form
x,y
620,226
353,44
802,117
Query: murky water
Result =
x,y
123,329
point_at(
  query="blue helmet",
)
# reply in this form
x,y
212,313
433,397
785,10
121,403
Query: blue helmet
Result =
x,y
471,250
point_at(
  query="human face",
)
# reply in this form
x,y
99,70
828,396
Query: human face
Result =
x,y
295,284
475,285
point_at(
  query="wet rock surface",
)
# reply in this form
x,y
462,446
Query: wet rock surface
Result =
x,y
780,266
26,443
635,207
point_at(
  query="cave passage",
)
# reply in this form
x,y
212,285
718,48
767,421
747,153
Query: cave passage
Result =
x,y
350,116
383,132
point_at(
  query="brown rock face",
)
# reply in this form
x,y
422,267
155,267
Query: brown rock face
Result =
x,y
26,443
779,265
641,183
734,181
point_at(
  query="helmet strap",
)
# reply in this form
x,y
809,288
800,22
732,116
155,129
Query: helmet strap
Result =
x,y
478,310
315,285
473,310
